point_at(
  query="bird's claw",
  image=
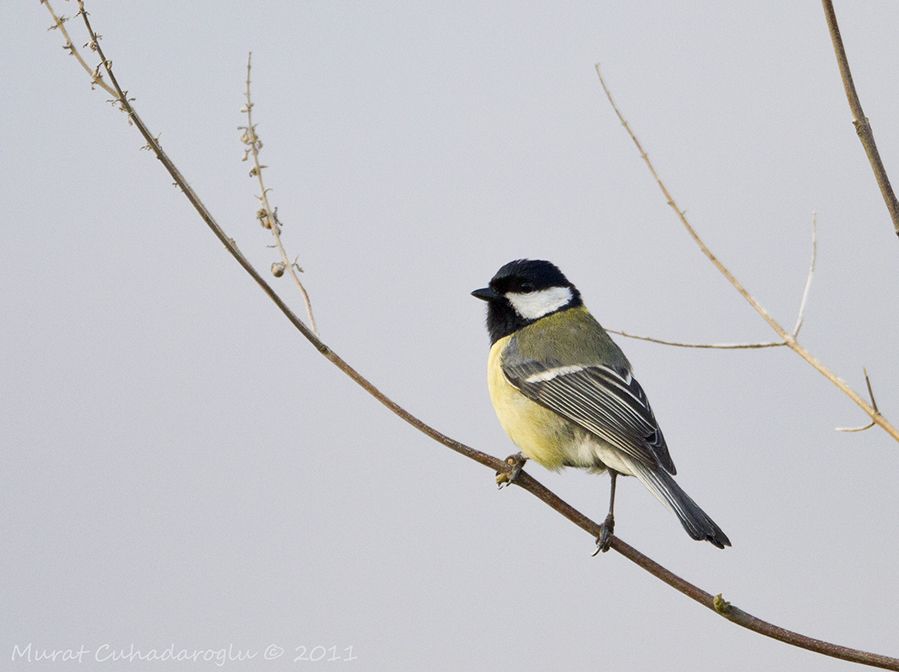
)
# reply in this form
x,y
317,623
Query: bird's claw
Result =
x,y
504,478
606,531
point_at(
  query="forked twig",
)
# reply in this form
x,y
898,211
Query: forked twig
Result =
x,y
524,480
266,215
782,333
859,120
873,404
745,346
59,23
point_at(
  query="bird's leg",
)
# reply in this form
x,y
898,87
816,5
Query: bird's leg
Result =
x,y
516,461
604,541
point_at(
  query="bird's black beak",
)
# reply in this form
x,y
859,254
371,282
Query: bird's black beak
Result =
x,y
486,294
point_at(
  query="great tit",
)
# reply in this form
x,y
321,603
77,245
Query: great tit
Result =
x,y
566,394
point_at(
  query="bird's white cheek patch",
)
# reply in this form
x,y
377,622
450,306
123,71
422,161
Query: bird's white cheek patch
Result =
x,y
537,304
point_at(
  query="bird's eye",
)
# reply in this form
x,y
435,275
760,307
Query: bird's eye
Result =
x,y
526,287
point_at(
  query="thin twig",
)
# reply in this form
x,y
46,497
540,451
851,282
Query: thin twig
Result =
x,y
59,23
782,333
706,346
873,403
859,120
267,215
524,480
745,346
808,280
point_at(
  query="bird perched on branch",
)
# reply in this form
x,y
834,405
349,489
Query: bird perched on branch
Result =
x,y
566,395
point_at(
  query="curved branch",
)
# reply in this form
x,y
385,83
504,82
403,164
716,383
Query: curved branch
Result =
x,y
716,603
782,333
524,480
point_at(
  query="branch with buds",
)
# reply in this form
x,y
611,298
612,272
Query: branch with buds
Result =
x,y
717,604
268,216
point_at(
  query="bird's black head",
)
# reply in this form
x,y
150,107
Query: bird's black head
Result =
x,y
524,291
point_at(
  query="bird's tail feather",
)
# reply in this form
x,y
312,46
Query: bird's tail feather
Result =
x,y
695,521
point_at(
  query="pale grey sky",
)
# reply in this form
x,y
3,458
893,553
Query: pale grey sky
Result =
x,y
180,467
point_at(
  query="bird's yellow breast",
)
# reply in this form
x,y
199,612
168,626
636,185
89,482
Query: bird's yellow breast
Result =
x,y
539,433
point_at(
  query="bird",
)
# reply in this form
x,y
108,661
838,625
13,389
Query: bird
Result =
x,y
566,394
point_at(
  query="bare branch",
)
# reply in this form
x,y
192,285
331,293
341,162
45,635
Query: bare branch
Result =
x,y
705,346
524,480
873,403
782,333
267,216
808,280
745,346
715,603
859,120
855,429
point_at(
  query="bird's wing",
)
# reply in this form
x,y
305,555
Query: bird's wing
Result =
x,y
607,401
